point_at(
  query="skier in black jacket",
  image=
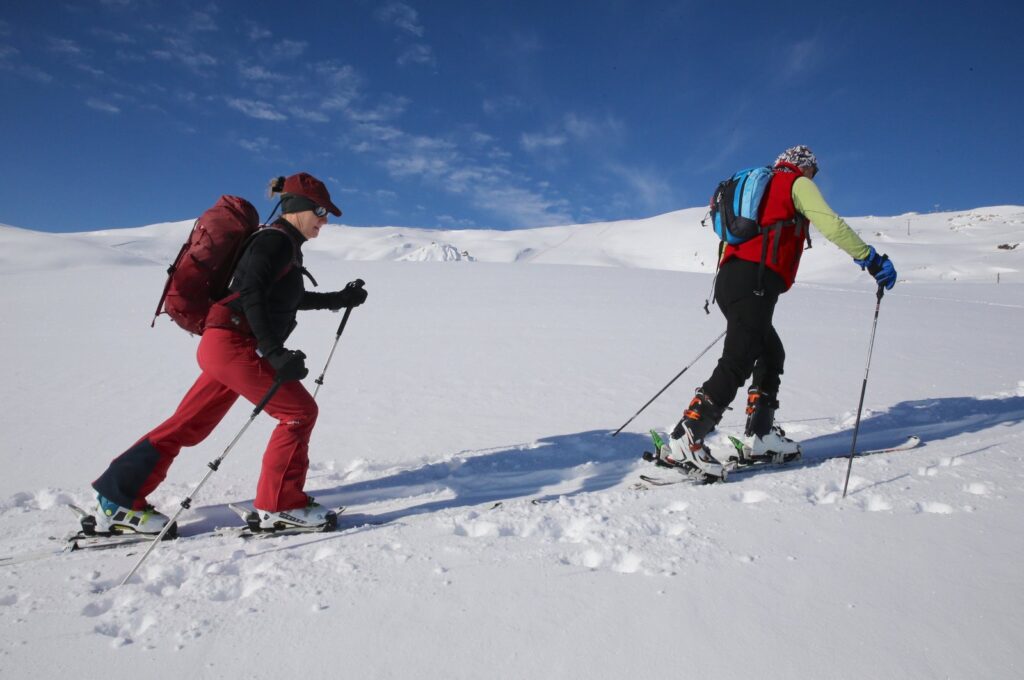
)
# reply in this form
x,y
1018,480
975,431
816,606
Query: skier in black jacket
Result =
x,y
241,353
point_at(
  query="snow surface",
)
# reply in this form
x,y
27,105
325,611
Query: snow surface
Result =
x,y
493,528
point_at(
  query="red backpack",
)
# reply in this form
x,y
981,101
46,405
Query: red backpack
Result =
x,y
200,274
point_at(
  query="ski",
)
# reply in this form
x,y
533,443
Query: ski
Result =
x,y
87,538
733,467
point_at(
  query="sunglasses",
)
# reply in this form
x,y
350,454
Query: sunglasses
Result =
x,y
319,211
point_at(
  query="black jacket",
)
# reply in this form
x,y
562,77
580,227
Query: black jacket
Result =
x,y
269,281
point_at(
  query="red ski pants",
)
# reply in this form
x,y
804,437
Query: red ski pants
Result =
x,y
230,367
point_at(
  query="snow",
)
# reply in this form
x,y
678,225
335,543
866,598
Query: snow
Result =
x,y
493,528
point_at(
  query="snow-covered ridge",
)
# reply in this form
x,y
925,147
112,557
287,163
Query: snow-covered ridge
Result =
x,y
974,245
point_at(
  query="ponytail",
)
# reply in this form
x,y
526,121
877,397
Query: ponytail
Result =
x,y
276,186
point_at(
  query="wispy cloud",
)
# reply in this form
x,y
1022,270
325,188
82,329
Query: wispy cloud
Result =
x,y
407,21
10,60
494,106
259,73
461,164
309,115
540,142
646,186
454,222
801,58
101,105
116,37
586,128
182,50
201,21
288,49
521,206
401,15
256,32
64,46
255,109
417,54
389,108
91,70
573,127
258,145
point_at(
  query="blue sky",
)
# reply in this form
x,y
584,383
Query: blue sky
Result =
x,y
500,114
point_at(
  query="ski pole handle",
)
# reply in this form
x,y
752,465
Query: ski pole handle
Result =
x,y
358,283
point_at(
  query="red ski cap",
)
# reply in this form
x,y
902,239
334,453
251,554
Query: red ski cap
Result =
x,y
304,184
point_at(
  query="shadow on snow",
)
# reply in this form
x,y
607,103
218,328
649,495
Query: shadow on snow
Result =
x,y
566,465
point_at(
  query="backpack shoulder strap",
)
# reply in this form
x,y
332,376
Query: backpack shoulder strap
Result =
x,y
170,275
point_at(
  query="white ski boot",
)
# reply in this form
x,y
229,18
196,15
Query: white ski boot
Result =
x,y
112,518
694,455
312,517
686,442
775,447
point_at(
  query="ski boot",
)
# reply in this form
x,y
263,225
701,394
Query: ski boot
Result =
x,y
687,449
768,443
112,519
311,517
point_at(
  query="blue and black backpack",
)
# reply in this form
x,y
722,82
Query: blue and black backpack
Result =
x,y
736,204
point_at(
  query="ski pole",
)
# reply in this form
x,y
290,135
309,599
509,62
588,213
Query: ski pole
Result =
x,y
358,283
706,349
213,465
863,388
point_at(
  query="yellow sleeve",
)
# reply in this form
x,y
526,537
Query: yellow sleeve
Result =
x,y
811,204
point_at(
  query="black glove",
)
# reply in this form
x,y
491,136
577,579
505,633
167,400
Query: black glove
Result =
x,y
351,295
289,364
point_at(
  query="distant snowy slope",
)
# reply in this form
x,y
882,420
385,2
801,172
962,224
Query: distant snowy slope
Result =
x,y
23,250
953,246
157,242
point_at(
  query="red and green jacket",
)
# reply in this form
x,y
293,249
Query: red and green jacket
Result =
x,y
794,201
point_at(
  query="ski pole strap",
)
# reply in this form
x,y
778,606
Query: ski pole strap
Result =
x,y
710,300
170,275
759,290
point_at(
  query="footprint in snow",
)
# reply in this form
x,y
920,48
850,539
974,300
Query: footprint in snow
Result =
x,y
478,529
676,506
629,563
592,559
324,553
978,489
751,497
94,609
935,508
877,504
828,494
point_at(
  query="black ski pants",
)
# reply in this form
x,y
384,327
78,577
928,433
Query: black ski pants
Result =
x,y
752,347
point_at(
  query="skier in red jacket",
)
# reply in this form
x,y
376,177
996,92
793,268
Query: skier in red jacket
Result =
x,y
746,290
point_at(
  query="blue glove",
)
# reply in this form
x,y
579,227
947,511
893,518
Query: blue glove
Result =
x,y
879,266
